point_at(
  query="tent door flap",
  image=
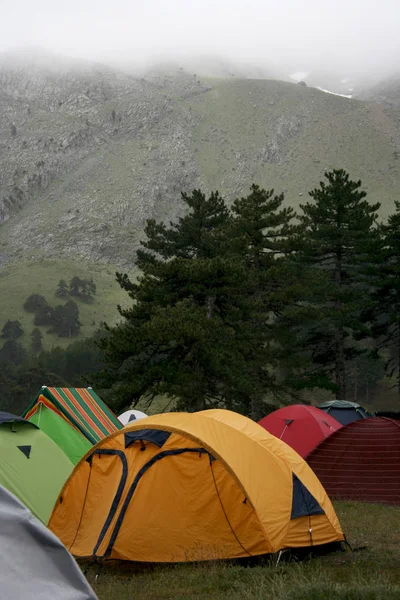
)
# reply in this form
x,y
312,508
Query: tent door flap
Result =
x,y
118,493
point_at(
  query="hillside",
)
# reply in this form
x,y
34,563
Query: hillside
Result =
x,y
88,153
385,92
19,280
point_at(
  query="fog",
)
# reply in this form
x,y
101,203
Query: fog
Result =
x,y
348,37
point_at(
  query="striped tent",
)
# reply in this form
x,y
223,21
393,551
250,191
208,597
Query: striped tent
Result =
x,y
75,418
360,461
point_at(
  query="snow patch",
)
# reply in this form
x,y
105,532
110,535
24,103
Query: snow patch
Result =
x,y
299,75
334,93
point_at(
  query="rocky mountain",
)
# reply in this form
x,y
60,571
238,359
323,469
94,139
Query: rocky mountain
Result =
x,y
386,92
88,153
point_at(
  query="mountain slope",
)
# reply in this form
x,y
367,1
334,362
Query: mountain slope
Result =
x,y
285,136
96,152
386,92
87,154
19,280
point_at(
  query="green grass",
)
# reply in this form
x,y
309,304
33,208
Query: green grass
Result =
x,y
19,280
369,574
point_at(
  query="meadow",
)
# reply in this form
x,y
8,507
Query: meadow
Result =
x,y
370,572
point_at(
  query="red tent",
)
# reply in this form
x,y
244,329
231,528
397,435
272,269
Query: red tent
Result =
x,y
301,427
361,461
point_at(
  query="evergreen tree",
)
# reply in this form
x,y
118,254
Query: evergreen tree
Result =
x,y
35,302
12,330
62,289
262,228
44,315
163,345
386,327
266,237
84,289
12,352
200,327
261,236
340,241
36,342
363,374
87,290
75,286
72,318
65,320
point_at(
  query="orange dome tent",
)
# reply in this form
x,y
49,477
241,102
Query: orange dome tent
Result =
x,y
180,487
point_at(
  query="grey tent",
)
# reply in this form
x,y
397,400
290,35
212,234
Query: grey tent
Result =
x,y
343,411
34,563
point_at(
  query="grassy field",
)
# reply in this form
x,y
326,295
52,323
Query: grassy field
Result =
x,y
41,276
369,574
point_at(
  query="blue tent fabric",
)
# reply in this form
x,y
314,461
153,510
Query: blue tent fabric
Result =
x,y
303,502
343,411
6,417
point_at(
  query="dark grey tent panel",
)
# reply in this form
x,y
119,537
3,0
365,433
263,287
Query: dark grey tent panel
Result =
x,y
6,417
34,563
343,411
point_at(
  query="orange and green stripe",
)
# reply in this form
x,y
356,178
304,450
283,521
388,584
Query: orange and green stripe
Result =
x,y
82,407
42,401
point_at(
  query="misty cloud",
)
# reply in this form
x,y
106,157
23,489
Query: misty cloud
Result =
x,y
347,36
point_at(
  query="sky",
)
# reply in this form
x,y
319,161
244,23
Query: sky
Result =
x,y
350,36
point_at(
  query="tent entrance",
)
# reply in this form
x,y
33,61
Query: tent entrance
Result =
x,y
101,501
131,491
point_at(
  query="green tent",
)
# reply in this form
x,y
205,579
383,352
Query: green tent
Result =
x,y
61,432
32,466
74,418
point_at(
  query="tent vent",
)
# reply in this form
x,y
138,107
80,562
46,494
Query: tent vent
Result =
x,y
25,450
155,436
303,502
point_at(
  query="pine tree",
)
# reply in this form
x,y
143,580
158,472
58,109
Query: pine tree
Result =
x,y
262,227
35,302
65,320
363,375
386,328
36,342
261,236
75,286
200,328
43,315
12,351
84,289
12,330
62,289
168,336
340,241
72,318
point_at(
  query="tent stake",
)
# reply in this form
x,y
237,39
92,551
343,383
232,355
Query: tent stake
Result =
x,y
278,559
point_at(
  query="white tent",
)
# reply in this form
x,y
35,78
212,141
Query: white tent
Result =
x,y
131,415
34,563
